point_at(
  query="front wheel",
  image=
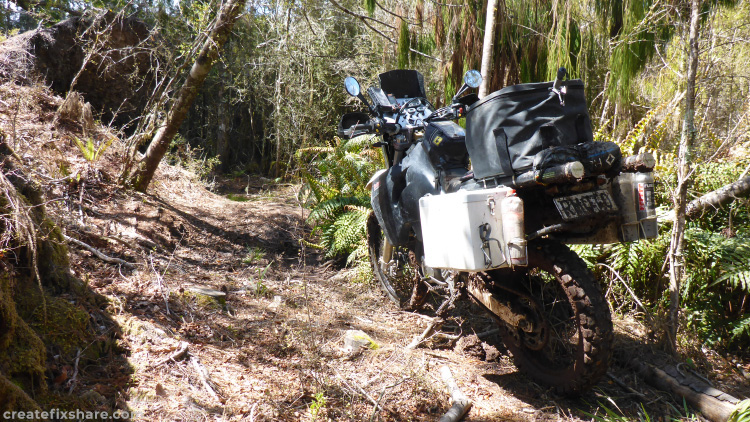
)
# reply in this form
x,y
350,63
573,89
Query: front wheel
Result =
x,y
570,346
398,269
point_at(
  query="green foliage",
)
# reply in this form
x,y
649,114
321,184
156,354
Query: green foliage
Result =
x,y
260,288
194,160
741,413
610,415
716,286
237,198
335,179
404,40
254,254
370,6
317,405
91,151
635,42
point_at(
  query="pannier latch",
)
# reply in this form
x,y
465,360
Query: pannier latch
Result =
x,y
484,234
491,204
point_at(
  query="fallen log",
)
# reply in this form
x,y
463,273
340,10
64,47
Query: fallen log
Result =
x,y
714,404
719,197
460,404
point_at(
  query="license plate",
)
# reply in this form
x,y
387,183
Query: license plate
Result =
x,y
585,204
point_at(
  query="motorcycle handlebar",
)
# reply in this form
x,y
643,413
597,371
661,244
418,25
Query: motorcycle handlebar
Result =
x,y
376,126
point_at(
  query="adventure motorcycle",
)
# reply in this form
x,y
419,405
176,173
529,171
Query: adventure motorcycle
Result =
x,y
498,232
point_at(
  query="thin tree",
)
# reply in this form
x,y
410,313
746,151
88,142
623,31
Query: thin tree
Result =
x,y
687,139
141,175
488,47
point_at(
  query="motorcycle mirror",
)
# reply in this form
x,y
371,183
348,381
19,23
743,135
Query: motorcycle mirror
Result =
x,y
352,86
473,78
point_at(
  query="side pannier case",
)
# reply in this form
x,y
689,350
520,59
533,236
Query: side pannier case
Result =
x,y
506,129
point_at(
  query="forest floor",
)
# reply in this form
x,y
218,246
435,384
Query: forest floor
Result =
x,y
262,320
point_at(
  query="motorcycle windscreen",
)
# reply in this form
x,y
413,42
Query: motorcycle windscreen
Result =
x,y
403,83
506,129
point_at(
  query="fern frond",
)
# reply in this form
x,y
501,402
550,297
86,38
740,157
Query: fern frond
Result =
x,y
638,131
300,153
741,327
328,209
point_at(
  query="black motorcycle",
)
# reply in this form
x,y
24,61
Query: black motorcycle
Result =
x,y
487,211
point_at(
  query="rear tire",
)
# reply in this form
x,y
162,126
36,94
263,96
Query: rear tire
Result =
x,y
571,349
401,277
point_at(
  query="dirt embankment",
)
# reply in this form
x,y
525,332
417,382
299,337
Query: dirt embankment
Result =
x,y
221,314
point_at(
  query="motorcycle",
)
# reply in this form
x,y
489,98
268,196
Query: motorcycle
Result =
x,y
487,212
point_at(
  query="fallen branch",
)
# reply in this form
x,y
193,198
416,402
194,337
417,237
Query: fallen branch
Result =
x,y
714,199
714,404
99,254
719,197
460,404
429,331
180,353
74,380
203,375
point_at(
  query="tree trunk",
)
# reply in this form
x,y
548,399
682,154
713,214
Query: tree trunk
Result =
x,y
277,125
488,47
143,173
676,260
222,132
719,197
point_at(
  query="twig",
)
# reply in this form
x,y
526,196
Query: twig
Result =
x,y
361,391
488,333
251,418
73,380
430,330
382,393
180,353
638,301
203,375
99,254
159,282
626,387
460,404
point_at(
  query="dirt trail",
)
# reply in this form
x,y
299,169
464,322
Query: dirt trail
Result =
x,y
274,349
268,345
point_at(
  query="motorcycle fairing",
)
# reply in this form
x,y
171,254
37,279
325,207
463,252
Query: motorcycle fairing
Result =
x,y
386,191
374,177
395,195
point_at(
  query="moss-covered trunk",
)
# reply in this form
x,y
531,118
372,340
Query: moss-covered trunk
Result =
x,y
44,309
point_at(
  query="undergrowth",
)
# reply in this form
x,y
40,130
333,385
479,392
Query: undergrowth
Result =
x,y
716,292
335,179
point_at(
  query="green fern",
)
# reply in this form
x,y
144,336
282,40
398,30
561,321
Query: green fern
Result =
x,y
741,328
90,150
335,178
638,133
